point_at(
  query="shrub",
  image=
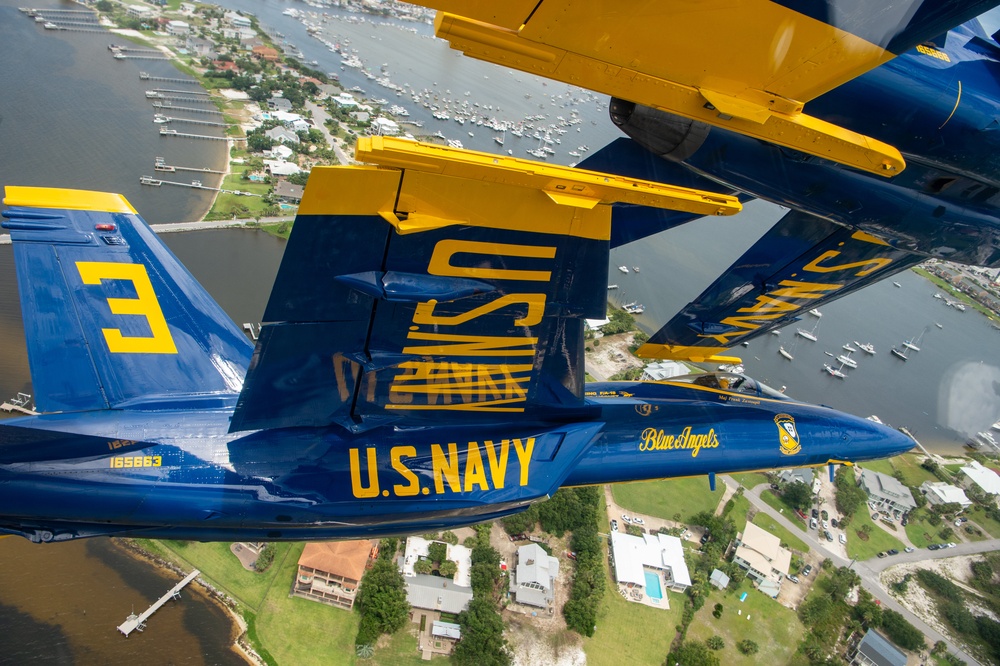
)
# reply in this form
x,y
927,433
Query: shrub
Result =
x,y
449,537
747,646
264,559
715,643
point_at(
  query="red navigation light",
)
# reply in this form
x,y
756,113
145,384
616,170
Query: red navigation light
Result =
x,y
105,227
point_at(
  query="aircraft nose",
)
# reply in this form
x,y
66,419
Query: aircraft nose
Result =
x,y
874,440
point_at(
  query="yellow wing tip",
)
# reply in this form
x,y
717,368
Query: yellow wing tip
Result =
x,y
57,197
686,353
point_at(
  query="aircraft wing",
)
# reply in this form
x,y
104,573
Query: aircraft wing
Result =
x,y
748,66
799,264
443,285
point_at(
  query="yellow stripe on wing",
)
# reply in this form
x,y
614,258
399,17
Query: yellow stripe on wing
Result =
x,y
59,198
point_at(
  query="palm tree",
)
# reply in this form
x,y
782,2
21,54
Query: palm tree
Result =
x,y
366,651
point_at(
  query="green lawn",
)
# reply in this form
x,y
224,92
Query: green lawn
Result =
x,y
778,504
298,631
750,479
877,541
741,506
773,627
667,498
226,205
630,633
908,464
920,532
788,539
218,564
978,516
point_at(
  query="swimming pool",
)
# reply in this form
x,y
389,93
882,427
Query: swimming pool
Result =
x,y
653,590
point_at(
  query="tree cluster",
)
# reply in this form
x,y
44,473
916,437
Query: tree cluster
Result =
x,y
482,627
589,578
381,599
849,496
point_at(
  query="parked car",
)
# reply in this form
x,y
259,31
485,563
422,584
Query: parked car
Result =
x,y
843,539
638,521
892,551
626,518
904,520
829,537
958,523
826,525
812,523
614,525
815,513
833,522
908,549
875,516
807,570
705,537
951,544
794,579
775,486
934,546
881,554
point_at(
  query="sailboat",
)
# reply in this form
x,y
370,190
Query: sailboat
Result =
x,y
808,334
834,372
899,353
499,139
845,359
784,352
912,344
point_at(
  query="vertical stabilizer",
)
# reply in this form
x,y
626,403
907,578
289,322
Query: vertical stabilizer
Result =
x,y
110,315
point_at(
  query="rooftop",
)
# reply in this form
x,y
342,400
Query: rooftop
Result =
x,y
342,558
657,551
983,477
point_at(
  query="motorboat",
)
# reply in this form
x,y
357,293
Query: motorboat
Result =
x,y
848,347
896,284
866,347
787,354
815,313
623,269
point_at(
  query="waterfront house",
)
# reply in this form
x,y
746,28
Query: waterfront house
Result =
x,y
330,572
655,372
279,104
140,11
282,135
886,492
237,20
177,28
287,192
265,53
765,560
535,576
974,475
940,492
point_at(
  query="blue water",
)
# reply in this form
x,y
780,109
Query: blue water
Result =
x,y
653,590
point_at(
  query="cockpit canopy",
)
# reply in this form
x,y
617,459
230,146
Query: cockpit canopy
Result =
x,y
731,381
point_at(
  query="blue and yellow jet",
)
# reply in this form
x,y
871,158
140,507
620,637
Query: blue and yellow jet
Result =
x,y
420,366
877,124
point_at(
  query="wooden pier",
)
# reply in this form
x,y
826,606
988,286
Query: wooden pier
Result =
x,y
167,79
19,403
169,132
138,622
161,165
182,92
171,107
210,123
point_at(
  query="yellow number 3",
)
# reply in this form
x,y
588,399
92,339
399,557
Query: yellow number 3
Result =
x,y
146,305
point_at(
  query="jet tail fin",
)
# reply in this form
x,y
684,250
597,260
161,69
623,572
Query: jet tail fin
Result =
x,y
800,264
111,317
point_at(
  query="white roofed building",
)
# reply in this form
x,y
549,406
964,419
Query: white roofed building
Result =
x,y
983,478
761,554
535,576
654,372
940,492
641,562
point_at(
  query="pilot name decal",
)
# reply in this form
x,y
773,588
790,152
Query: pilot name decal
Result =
x,y
652,439
452,468
790,296
788,434
490,373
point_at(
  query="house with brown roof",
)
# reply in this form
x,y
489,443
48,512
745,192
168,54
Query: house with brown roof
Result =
x,y
265,53
765,560
330,572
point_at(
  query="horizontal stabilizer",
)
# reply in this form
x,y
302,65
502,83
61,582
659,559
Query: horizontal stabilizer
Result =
x,y
800,264
111,317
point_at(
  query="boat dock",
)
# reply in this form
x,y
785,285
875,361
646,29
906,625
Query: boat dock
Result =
x,y
138,622
180,92
210,123
155,182
19,403
159,105
161,165
167,79
170,132
905,431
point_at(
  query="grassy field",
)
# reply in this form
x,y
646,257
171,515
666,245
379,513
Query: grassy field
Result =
x,y
908,464
741,506
227,205
665,499
920,532
778,504
878,540
773,627
630,633
299,631
979,517
750,479
218,564
788,539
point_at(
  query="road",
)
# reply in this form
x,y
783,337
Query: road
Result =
x,y
869,570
